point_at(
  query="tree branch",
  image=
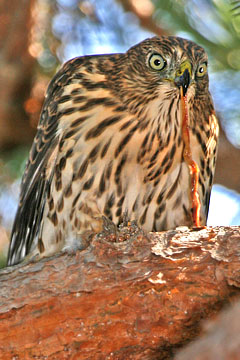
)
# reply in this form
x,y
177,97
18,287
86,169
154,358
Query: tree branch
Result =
x,y
144,11
125,296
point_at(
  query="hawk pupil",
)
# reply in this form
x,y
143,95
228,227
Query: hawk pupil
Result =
x,y
157,62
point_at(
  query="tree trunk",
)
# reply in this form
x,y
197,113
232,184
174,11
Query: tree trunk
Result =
x,y
16,66
228,164
127,295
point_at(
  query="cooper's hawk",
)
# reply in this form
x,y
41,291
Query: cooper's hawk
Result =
x,y
129,134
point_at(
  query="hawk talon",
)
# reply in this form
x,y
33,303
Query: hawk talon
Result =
x,y
108,225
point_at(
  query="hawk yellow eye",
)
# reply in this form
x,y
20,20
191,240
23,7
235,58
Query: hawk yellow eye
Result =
x,y
202,69
157,62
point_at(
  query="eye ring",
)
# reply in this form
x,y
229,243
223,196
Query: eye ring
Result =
x,y
201,70
157,62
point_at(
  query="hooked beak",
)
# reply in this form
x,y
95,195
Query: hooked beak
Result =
x,y
183,76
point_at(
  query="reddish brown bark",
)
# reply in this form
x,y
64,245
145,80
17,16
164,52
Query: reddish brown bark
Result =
x,y
16,67
125,296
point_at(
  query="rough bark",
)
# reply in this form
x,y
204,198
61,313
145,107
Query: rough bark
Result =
x,y
127,295
16,68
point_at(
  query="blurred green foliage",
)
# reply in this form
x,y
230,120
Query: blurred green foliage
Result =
x,y
12,163
3,260
214,24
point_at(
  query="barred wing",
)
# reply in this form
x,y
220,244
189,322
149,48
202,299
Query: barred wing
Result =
x,y
37,177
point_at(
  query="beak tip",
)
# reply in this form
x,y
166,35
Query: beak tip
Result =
x,y
185,88
183,81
